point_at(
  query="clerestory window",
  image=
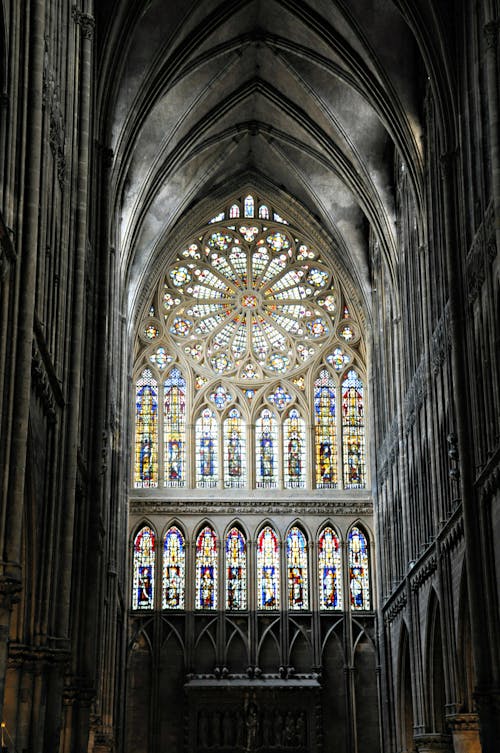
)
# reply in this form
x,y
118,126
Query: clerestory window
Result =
x,y
249,368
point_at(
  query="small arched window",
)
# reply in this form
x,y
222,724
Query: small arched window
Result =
x,y
236,570
206,569
174,569
329,570
268,569
359,580
146,431
297,569
143,569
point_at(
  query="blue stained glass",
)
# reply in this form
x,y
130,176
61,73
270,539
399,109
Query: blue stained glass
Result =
x,y
359,583
146,431
296,553
325,429
175,428
206,569
236,570
268,569
294,450
206,449
143,569
329,570
280,398
173,569
249,206
266,443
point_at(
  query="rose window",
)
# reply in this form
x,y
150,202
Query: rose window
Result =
x,y
249,302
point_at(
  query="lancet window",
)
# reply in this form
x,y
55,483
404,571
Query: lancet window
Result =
x,y
143,576
359,583
249,338
293,556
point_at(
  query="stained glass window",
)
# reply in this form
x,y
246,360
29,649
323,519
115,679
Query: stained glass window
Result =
x,y
234,450
353,432
359,583
206,569
146,431
242,313
325,431
236,570
268,569
296,559
266,435
174,427
206,449
294,451
329,570
249,206
174,569
143,569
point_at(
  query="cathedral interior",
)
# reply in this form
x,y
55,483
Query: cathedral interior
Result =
x,y
249,376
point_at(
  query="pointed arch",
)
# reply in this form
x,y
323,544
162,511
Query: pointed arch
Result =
x,y
435,674
297,569
268,569
266,449
294,450
330,572
207,449
143,568
234,450
359,568
174,569
146,431
236,584
174,428
353,431
405,699
206,569
325,430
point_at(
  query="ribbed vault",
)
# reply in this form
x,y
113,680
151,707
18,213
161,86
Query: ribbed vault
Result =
x,y
307,98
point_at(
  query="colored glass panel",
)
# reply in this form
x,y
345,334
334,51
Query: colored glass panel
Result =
x,y
234,451
234,211
353,432
206,569
263,212
236,570
174,569
143,569
279,398
268,570
146,432
249,206
325,431
207,449
266,436
359,582
221,396
298,579
294,460
329,570
174,424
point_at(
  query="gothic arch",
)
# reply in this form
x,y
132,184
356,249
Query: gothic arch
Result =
x,y
435,671
405,715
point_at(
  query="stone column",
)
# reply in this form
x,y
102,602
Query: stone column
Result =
x,y
465,733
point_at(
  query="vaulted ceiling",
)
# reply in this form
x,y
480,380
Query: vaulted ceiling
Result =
x,y
310,100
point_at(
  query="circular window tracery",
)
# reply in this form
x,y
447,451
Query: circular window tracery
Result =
x,y
250,302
